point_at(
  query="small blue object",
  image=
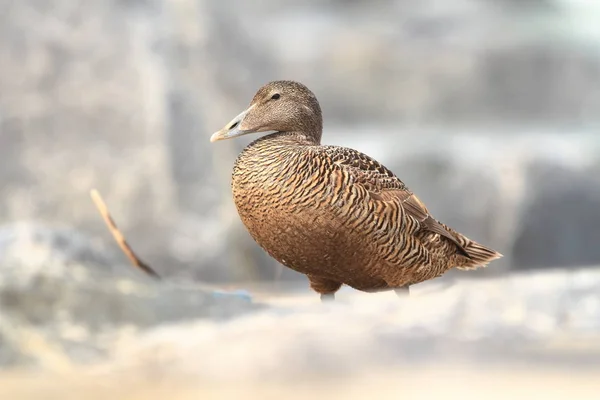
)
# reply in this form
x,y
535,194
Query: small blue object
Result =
x,y
241,294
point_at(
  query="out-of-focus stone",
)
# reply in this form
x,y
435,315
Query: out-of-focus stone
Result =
x,y
551,317
561,227
62,302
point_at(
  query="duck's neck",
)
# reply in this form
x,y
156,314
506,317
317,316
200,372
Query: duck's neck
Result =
x,y
272,151
290,138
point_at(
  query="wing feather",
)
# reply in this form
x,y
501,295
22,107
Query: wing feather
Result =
x,y
383,185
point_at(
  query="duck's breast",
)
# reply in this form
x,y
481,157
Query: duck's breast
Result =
x,y
287,201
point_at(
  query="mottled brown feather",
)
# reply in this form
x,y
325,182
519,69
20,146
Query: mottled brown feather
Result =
x,y
383,185
333,213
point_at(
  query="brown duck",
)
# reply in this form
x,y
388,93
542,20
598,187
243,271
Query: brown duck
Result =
x,y
332,213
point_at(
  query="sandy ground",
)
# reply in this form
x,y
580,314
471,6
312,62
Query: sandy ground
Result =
x,y
448,382
463,341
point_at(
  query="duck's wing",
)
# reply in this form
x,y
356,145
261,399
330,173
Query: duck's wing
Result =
x,y
383,185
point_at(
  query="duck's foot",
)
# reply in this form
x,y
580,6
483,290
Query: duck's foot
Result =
x,y
326,297
403,291
324,286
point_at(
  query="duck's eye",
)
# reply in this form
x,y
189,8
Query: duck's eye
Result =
x,y
275,96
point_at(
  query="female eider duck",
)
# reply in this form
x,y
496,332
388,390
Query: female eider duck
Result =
x,y
332,213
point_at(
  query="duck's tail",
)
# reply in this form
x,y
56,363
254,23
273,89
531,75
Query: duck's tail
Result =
x,y
479,255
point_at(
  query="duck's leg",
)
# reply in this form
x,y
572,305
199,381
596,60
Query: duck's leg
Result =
x,y
326,297
403,291
324,286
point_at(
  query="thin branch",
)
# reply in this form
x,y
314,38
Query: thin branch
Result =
x,y
118,236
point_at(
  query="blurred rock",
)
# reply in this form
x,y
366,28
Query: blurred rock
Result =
x,y
543,318
61,302
562,225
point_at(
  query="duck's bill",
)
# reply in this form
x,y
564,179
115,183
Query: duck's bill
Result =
x,y
232,129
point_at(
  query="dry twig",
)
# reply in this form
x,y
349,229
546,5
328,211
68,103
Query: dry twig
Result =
x,y
118,236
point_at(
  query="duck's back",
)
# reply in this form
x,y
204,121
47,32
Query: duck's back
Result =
x,y
336,213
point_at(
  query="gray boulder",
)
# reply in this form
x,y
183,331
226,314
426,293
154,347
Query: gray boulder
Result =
x,y
62,298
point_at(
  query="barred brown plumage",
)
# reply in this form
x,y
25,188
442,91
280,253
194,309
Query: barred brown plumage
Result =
x,y
333,213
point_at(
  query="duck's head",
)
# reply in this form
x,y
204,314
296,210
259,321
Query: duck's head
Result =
x,y
279,106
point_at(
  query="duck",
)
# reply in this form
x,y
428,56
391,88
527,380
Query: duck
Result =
x,y
332,213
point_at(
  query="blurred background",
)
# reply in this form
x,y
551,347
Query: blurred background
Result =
x,y
488,109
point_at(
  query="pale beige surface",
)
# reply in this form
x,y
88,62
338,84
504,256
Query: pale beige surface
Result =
x,y
518,336
448,382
